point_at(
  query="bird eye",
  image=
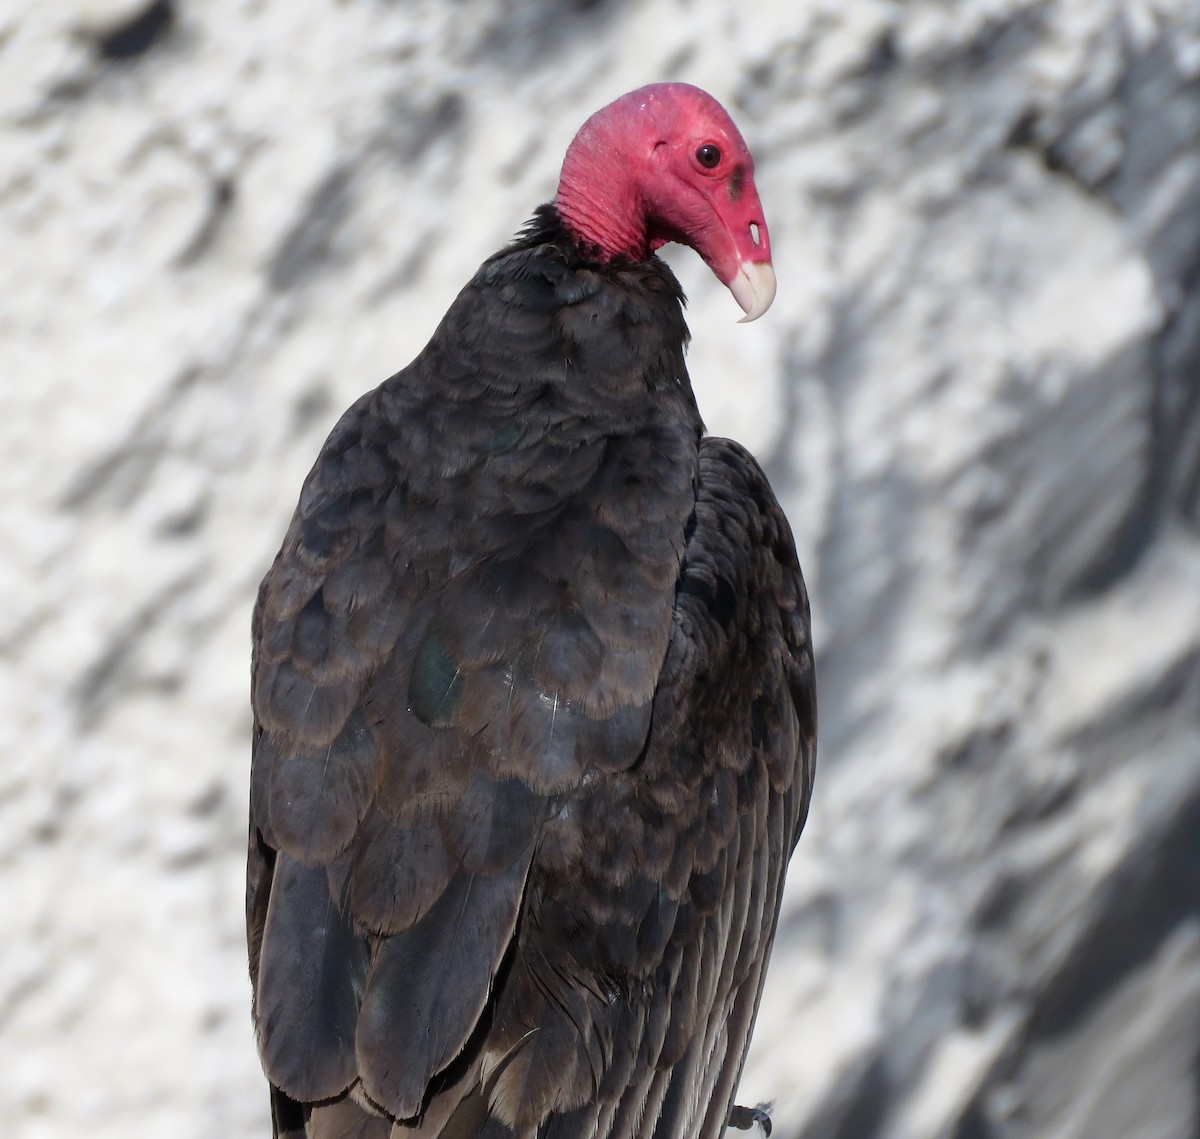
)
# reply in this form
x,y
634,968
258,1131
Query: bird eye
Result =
x,y
708,156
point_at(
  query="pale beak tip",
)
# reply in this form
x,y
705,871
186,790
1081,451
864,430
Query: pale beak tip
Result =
x,y
753,288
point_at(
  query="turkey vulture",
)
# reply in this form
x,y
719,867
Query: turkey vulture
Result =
x,y
533,694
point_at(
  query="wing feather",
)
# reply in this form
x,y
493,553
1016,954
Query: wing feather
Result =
x,y
310,978
397,872
429,985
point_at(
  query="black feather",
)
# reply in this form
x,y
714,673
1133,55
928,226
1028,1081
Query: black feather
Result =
x,y
429,984
310,980
535,728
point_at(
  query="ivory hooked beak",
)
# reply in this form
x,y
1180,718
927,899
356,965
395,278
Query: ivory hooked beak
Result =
x,y
753,288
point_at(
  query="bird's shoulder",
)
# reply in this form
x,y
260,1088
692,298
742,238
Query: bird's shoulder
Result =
x,y
734,699
742,613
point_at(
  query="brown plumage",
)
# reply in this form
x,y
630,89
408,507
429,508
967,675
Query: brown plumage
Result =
x,y
534,723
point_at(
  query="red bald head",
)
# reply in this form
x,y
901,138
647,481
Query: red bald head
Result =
x,y
665,163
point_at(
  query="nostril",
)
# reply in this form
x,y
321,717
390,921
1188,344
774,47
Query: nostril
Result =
x,y
754,232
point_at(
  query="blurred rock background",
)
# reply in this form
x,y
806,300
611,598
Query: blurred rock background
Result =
x,y
978,395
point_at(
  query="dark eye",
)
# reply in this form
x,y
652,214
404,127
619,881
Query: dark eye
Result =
x,y
708,156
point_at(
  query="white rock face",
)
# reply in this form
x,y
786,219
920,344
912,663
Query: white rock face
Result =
x,y
978,395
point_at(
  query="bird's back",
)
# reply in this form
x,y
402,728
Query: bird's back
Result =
x,y
533,733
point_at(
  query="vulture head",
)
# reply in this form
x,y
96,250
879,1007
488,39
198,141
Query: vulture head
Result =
x,y
665,163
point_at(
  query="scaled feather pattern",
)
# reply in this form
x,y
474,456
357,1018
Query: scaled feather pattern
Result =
x,y
534,728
